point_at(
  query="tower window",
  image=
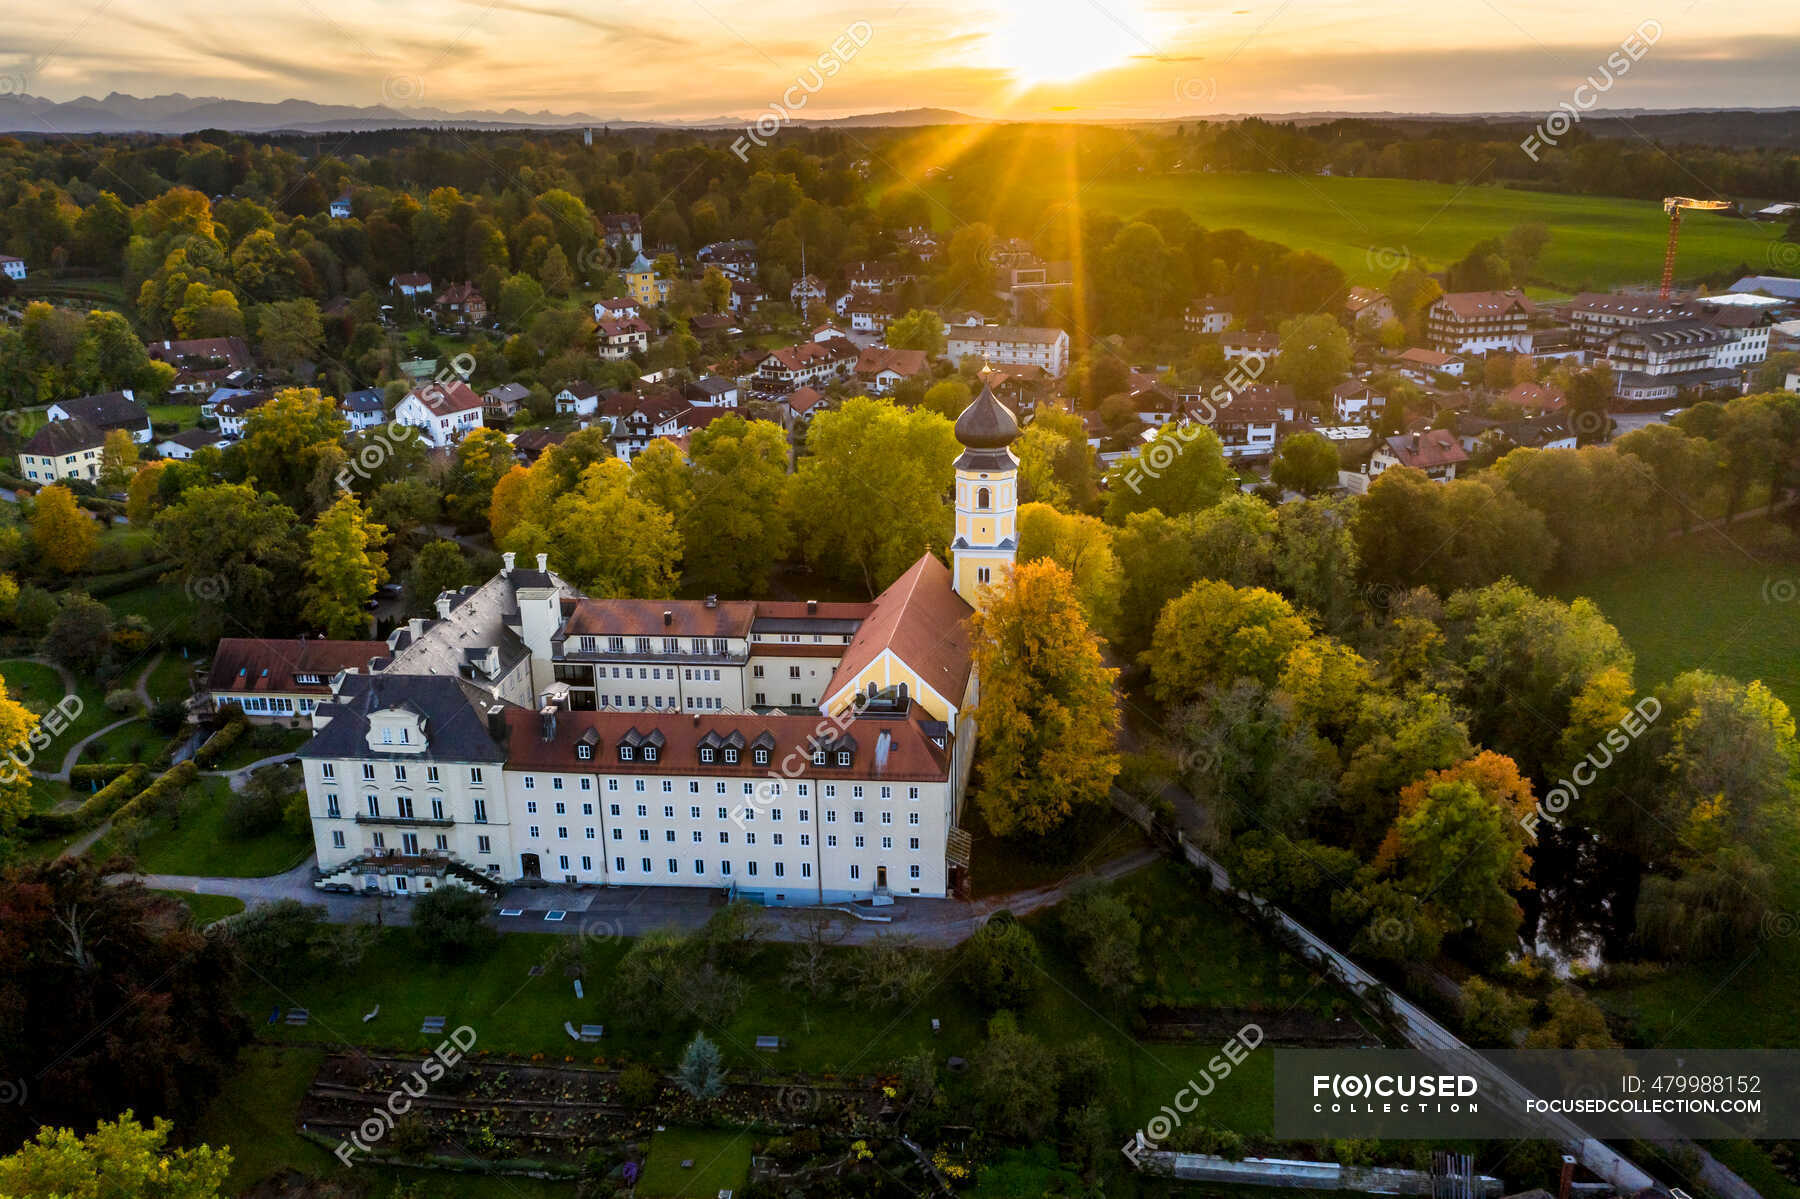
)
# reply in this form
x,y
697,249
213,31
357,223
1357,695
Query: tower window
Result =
x,y
982,498
983,575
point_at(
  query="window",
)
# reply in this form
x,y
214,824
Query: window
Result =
x,y
858,842
586,753
618,834
855,871
731,756
887,818
887,843
912,872
698,836
431,775
534,832
331,805
818,757
752,869
780,870
619,865
562,809
806,870
830,815
612,809
645,862
912,793
482,845
649,753
643,834
481,811
475,775
626,753
793,672
337,838
616,645
983,574
642,811
369,771
327,771
694,812
674,866
562,832
843,757
756,672
669,835
399,774
830,840
378,841
531,805
761,757
913,844
706,753
437,807
374,802
982,498
856,817
668,811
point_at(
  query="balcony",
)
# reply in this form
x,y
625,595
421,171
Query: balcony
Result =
x,y
405,821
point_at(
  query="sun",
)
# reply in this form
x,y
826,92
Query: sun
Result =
x,y
1057,41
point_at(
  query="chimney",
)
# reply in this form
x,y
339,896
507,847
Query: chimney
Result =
x,y
416,626
668,617
1566,1178
812,607
712,601
543,561
507,558
547,722
1415,443
883,742
496,722
443,605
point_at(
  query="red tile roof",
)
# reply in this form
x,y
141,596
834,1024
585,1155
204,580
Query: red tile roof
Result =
x,y
644,618
446,398
920,618
1472,305
254,665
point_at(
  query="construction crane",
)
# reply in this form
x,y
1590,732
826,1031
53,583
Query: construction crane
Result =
x,y
1673,205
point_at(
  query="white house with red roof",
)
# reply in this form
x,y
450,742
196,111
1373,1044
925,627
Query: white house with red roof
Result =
x,y
1437,452
444,413
1480,322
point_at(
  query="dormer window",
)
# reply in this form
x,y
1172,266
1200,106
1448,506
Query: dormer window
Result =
x,y
615,645
626,753
387,736
643,645
731,757
818,757
706,754
649,753
843,757
761,757
584,752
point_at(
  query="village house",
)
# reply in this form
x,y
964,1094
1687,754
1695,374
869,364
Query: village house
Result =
x,y
1533,398
188,442
712,391
1241,347
205,363
364,409
800,405
746,296
644,285
1480,322
621,337
869,312
13,268
1250,425
1437,452
1423,366
624,307
444,413
276,681
339,209
809,364
106,412
461,304
1210,314
1355,402
231,411
579,398
502,403
1010,345
882,369
624,232
63,449
635,419
807,290
1367,302
413,286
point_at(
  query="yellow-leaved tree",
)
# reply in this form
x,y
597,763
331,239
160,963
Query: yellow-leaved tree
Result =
x,y
345,565
62,533
1048,716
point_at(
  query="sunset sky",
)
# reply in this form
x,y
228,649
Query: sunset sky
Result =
x,y
1095,59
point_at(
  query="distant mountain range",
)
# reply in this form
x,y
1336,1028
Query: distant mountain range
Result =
x,y
176,114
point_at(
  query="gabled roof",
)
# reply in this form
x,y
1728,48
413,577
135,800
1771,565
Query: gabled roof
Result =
x,y
802,400
368,399
876,359
1005,333
1533,397
1436,447
195,439
107,410
443,399
255,665
644,618
1474,305
1359,298
920,619
412,279
65,437
1430,358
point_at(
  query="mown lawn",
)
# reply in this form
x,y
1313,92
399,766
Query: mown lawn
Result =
x,y
721,1160
1365,226
262,741
166,607
168,679
207,908
40,688
133,742
201,845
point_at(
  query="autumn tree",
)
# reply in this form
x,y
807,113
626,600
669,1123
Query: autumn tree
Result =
x,y
639,557
234,550
288,441
118,460
1047,713
1081,545
1315,353
63,535
479,461
1305,462
345,564
17,724
439,566
120,1157
919,329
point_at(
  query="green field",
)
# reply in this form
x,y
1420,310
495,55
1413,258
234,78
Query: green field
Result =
x,y
207,908
1711,601
40,688
721,1162
200,845
1367,226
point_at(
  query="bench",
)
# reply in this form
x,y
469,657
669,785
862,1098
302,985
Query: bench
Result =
x,y
370,1015
570,1029
578,993
769,1044
299,1015
592,1032
432,1024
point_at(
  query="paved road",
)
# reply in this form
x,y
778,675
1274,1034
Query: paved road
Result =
x,y
633,911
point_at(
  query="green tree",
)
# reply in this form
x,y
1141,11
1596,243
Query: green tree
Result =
x,y
234,549
1106,937
715,289
120,1157
1181,470
1015,1079
451,921
701,1072
947,398
288,332
439,566
1047,713
918,329
736,526
1315,353
345,564
290,442
640,557
1081,545
118,460
1305,462
1216,633
1000,963
878,470
81,635
554,273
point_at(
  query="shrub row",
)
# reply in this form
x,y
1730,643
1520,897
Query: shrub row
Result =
x,y
126,580
173,780
220,742
97,807
99,772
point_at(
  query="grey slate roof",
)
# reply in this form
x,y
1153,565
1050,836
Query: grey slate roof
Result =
x,y
454,730
61,437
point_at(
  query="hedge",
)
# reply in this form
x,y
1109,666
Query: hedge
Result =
x,y
175,779
98,772
221,741
98,805
126,580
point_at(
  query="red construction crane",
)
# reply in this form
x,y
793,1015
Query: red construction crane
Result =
x,y
1673,206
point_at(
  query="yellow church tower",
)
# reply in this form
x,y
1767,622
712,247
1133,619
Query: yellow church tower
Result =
x,y
987,496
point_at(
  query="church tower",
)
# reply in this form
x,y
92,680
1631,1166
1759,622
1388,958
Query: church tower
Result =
x,y
987,496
